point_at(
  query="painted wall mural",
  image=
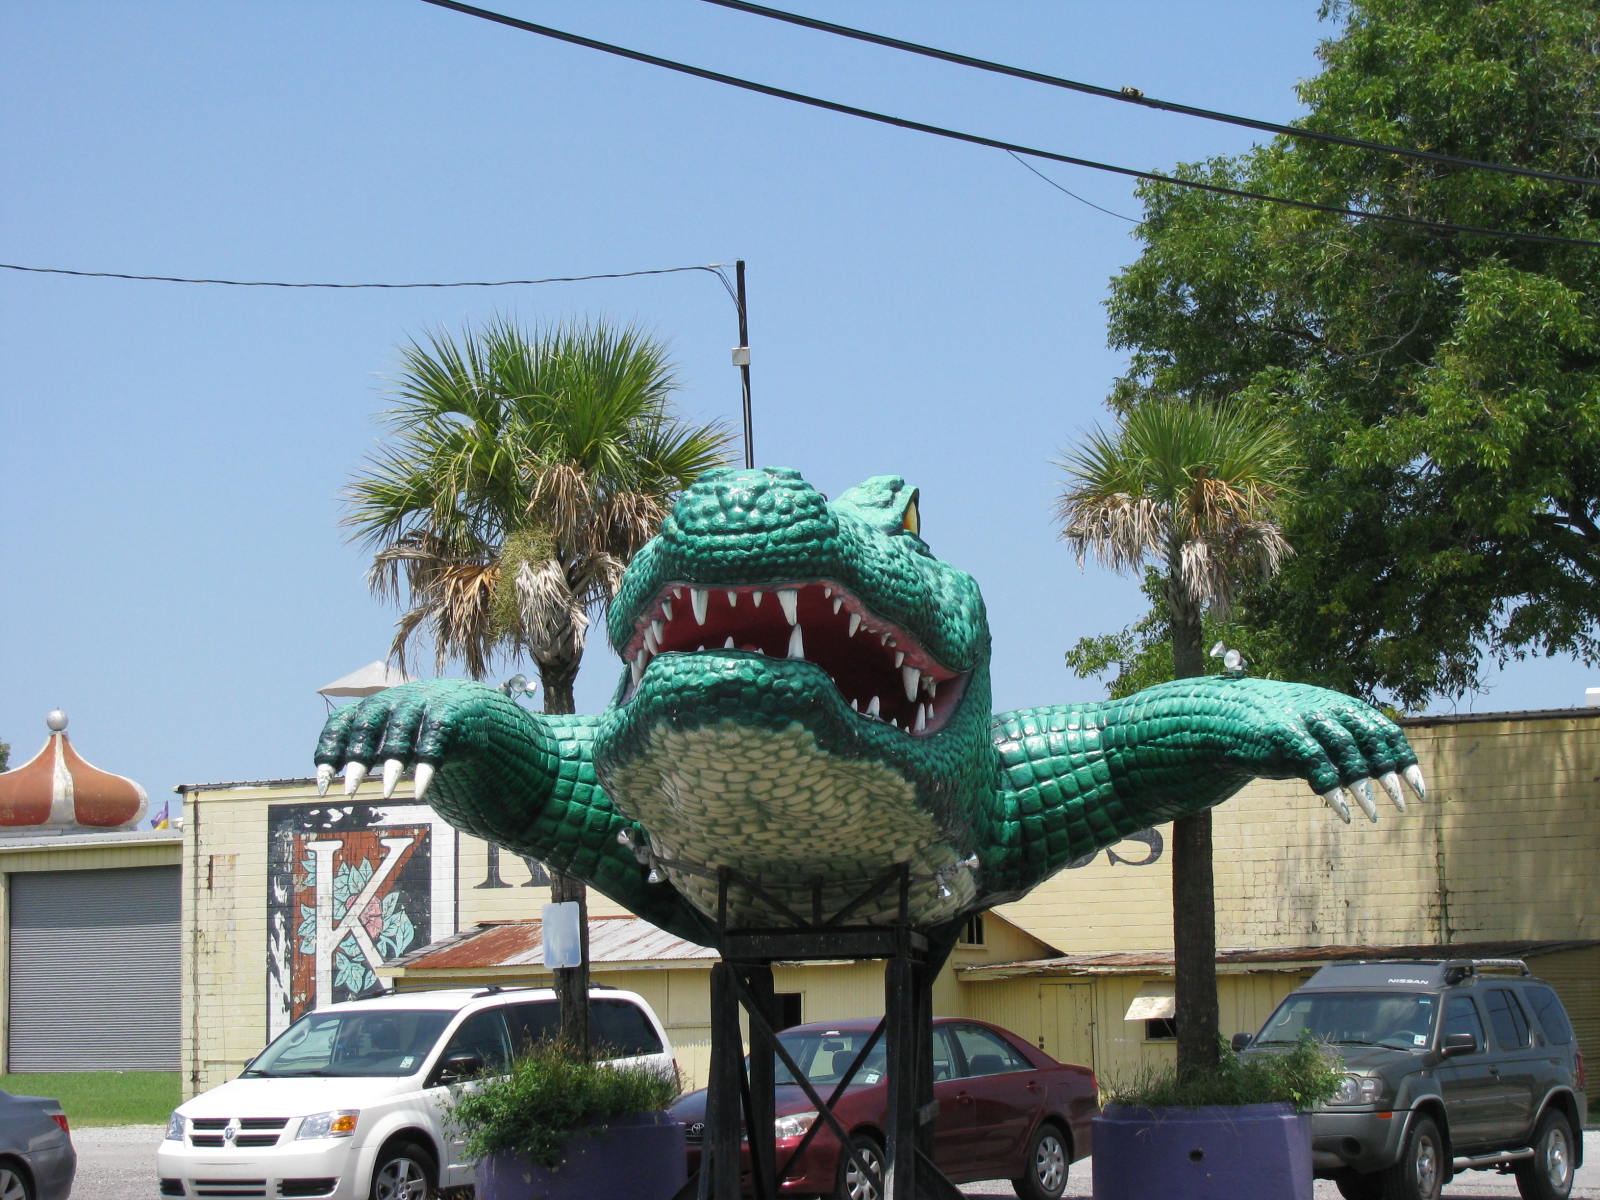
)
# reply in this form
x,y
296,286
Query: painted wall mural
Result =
x,y
349,886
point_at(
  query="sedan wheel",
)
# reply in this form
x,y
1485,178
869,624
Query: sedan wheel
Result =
x,y
1048,1160
853,1184
14,1185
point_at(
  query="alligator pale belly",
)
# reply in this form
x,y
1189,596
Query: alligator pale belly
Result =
x,y
780,811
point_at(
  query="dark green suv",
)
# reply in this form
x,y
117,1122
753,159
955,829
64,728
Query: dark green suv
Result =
x,y
1451,1065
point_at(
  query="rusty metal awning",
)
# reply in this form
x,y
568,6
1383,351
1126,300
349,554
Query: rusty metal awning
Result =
x,y
518,947
1243,961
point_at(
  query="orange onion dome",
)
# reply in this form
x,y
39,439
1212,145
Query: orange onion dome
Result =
x,y
59,790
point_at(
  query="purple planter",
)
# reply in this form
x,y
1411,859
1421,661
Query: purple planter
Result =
x,y
640,1156
1251,1152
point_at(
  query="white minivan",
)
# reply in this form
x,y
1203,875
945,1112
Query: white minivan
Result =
x,y
351,1101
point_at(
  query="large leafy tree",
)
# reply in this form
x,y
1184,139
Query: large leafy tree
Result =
x,y
1192,490
1446,386
523,470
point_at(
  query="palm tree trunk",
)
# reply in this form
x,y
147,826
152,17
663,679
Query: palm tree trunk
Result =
x,y
1194,904
571,983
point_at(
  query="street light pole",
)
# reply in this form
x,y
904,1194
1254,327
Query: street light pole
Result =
x,y
741,356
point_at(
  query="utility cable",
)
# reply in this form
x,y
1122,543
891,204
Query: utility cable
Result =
x,y
1070,192
1129,95
713,268
994,143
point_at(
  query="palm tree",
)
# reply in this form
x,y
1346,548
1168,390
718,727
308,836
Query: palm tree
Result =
x,y
1193,489
523,473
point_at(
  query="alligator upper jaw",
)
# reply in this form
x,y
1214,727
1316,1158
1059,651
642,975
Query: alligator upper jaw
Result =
x,y
882,671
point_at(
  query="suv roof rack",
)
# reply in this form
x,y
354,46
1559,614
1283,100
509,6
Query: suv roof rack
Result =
x,y
1457,969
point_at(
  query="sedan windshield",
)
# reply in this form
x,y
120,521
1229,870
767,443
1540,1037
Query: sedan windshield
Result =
x,y
1399,1020
825,1057
353,1043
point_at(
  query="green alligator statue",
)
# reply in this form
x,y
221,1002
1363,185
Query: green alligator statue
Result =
x,y
806,702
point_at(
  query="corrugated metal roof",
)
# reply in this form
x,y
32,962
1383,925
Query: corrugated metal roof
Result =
x,y
1146,962
612,940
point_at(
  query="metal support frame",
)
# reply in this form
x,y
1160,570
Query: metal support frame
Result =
x,y
740,1105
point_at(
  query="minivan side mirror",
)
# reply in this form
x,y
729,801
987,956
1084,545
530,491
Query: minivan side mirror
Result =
x,y
1459,1043
459,1066
1239,1041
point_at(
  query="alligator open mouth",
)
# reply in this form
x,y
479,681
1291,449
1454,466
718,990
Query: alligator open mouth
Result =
x,y
882,671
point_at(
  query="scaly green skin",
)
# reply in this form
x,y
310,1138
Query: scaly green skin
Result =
x,y
744,757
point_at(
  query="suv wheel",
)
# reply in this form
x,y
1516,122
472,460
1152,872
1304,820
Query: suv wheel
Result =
x,y
1421,1172
1548,1174
404,1172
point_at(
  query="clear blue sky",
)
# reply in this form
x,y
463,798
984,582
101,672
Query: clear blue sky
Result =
x,y
172,456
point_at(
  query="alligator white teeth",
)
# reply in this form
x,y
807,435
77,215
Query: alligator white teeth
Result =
x,y
899,659
677,593
838,603
652,640
911,677
797,647
733,599
700,649
855,623
872,707
698,599
854,707
755,597
922,719
325,774
421,778
354,773
1413,776
636,668
790,599
883,638
657,628
931,686
666,609
391,776
827,594
1361,789
728,645
1391,784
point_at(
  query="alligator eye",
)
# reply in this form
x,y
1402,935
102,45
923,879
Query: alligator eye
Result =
x,y
911,520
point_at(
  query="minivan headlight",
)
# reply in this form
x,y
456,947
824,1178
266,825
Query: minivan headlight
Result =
x,y
176,1127
341,1122
1358,1089
793,1125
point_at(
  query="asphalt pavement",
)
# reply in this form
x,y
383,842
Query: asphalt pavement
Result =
x,y
119,1163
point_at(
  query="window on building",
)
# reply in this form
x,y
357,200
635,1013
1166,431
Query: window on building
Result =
x,y
972,932
1161,1029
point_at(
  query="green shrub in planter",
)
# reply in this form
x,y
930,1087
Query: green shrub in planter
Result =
x,y
552,1096
1304,1077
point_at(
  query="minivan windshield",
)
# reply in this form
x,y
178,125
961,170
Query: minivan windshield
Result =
x,y
1399,1020
391,1042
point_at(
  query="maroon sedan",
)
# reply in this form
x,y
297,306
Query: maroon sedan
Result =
x,y
1006,1110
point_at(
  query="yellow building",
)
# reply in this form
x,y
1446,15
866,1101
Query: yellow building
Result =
x,y
291,901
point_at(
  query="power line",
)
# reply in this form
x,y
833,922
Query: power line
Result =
x,y
1135,96
1070,192
994,143
713,268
